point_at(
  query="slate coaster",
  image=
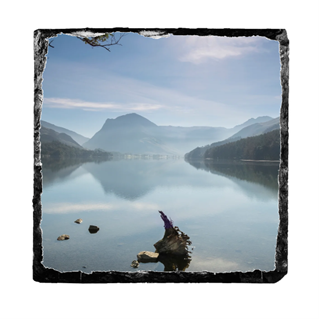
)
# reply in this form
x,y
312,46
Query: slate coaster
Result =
x,y
43,274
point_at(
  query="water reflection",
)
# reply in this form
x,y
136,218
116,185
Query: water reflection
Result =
x,y
136,178
173,263
263,173
61,168
123,198
52,173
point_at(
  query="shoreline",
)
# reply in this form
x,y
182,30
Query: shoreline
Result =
x,y
245,160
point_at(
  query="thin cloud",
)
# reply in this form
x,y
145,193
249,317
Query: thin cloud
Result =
x,y
61,208
200,49
76,104
62,103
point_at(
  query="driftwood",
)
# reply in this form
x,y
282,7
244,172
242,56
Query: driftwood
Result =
x,y
172,250
174,242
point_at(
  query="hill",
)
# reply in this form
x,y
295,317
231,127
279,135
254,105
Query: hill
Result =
x,y
75,136
251,130
59,148
57,152
262,147
49,135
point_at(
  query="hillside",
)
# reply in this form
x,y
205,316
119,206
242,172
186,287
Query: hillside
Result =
x,y
75,136
251,130
49,135
56,152
262,147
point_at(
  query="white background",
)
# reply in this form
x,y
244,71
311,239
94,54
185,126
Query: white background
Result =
x,y
296,296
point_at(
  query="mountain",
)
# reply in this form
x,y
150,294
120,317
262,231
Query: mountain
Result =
x,y
252,121
75,136
261,147
251,130
257,128
132,133
49,135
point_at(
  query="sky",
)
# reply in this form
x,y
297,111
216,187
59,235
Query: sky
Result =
x,y
176,80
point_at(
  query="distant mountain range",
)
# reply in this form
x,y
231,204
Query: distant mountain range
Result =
x,y
252,121
132,133
251,130
75,136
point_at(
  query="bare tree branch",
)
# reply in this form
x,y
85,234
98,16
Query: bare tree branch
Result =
x,y
99,41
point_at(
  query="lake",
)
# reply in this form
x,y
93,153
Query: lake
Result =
x,y
229,211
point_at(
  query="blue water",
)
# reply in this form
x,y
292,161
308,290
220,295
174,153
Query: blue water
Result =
x,y
229,211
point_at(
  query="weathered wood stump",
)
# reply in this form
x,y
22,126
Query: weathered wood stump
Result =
x,y
171,250
174,241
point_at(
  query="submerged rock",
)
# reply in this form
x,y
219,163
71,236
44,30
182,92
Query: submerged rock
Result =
x,y
135,264
147,256
63,237
93,229
78,221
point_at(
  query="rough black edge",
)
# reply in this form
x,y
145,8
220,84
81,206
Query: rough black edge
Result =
x,y
42,274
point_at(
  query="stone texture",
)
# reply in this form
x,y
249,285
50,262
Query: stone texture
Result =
x,y
78,221
47,275
147,256
63,237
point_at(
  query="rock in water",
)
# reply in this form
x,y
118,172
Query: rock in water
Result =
x,y
93,229
135,264
78,221
63,237
147,256
174,241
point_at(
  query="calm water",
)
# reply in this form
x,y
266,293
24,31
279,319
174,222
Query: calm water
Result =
x,y
230,212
